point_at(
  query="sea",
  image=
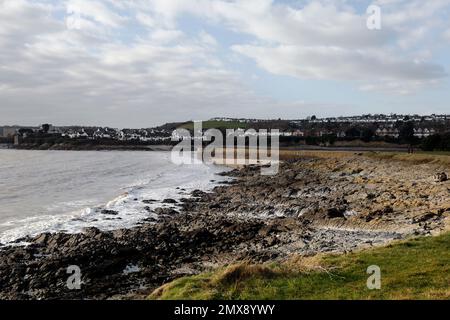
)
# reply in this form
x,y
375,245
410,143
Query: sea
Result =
x,y
67,191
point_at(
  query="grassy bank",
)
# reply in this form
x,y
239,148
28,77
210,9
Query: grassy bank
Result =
x,y
415,269
213,124
440,158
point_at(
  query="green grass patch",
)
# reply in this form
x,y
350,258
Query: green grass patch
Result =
x,y
415,269
217,125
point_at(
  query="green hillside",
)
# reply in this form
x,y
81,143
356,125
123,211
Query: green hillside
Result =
x,y
217,125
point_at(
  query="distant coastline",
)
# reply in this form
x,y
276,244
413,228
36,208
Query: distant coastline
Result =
x,y
88,147
107,147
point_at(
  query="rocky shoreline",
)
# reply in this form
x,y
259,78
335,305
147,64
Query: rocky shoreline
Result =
x,y
313,205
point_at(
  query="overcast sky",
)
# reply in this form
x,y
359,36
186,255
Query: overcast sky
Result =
x,y
140,63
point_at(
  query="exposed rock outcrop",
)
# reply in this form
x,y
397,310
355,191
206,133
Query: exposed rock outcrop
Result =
x,y
313,205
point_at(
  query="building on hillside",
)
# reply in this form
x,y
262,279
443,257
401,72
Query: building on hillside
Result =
x,y
423,133
8,132
387,132
298,133
324,133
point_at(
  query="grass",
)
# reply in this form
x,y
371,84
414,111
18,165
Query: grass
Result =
x,y
439,153
216,125
440,158
414,269
421,157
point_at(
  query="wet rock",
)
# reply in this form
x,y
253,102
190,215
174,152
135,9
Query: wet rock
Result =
x,y
110,212
165,211
41,239
91,232
215,206
198,193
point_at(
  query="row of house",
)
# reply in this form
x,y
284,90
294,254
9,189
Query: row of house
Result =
x,y
395,133
8,132
92,133
386,131
425,126
378,118
89,133
142,135
369,118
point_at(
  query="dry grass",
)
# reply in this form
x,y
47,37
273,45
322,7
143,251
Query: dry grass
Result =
x,y
230,277
305,264
240,272
416,158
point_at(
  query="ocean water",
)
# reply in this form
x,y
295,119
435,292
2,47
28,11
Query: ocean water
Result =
x,y
50,191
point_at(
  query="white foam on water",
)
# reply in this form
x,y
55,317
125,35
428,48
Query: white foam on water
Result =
x,y
174,182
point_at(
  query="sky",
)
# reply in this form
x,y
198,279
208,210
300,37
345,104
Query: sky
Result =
x,y
141,63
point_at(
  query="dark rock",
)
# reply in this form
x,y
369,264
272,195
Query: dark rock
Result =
x,y
165,211
425,217
171,201
110,212
336,213
198,193
440,177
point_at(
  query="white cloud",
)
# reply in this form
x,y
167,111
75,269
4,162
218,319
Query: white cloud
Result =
x,y
365,66
97,11
207,39
132,63
324,41
302,41
146,20
447,35
50,73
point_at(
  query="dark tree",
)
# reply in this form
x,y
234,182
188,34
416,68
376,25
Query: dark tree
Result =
x,y
353,133
45,128
367,134
431,143
406,133
439,142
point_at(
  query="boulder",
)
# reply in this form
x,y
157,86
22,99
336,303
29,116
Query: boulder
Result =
x,y
110,212
165,211
440,177
336,213
170,201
